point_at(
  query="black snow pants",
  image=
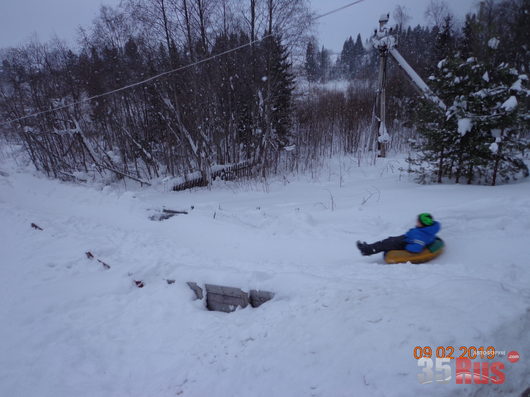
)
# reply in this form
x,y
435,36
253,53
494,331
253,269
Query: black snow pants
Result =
x,y
389,244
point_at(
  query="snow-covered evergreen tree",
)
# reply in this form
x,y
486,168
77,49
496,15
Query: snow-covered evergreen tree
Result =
x,y
480,137
503,119
439,142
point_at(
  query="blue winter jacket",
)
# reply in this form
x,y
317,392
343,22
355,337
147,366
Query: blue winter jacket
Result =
x,y
420,237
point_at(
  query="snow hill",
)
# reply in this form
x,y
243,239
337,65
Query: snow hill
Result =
x,y
339,325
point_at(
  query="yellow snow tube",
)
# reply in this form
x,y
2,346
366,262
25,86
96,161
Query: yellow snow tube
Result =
x,y
402,256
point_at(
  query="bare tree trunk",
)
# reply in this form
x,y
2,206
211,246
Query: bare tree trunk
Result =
x,y
202,25
166,29
470,174
225,23
252,21
188,28
440,166
496,164
271,12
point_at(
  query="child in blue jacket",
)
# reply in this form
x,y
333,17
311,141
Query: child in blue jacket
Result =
x,y
415,240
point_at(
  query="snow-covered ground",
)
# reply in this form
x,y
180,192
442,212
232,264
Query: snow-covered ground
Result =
x,y
339,325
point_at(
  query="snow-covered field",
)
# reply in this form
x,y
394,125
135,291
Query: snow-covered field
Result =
x,y
339,325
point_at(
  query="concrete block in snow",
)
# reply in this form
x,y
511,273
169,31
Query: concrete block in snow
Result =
x,y
225,299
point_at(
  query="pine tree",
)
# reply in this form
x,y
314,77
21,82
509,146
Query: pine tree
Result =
x,y
445,39
311,63
502,121
479,139
469,43
347,57
439,143
281,83
358,54
324,64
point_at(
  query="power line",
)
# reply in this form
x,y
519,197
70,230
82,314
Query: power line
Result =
x,y
135,84
338,9
179,69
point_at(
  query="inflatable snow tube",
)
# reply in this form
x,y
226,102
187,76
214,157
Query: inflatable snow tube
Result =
x,y
402,256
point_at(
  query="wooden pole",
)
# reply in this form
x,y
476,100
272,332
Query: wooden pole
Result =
x,y
383,42
381,130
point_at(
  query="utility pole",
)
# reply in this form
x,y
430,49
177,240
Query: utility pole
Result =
x,y
382,37
385,43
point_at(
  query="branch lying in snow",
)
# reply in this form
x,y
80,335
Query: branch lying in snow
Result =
x,y
168,211
37,227
371,194
90,255
104,264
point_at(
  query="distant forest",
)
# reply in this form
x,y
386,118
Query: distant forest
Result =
x,y
255,95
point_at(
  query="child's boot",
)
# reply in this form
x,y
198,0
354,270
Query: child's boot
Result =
x,y
365,249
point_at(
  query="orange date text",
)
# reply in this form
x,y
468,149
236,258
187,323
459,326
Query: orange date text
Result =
x,y
470,352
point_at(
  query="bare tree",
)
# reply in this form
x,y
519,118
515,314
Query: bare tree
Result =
x,y
111,28
401,16
288,19
235,108
436,12
291,21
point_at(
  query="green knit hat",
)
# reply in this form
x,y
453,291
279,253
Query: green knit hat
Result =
x,y
425,219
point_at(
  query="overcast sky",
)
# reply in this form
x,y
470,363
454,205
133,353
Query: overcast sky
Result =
x,y
19,19
363,17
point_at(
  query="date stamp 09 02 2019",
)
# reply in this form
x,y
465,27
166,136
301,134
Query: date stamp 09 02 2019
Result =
x,y
467,371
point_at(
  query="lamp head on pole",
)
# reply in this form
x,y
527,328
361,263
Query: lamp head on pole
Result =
x,y
384,39
383,20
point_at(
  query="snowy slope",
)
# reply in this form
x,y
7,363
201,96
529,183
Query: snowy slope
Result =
x,y
339,325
